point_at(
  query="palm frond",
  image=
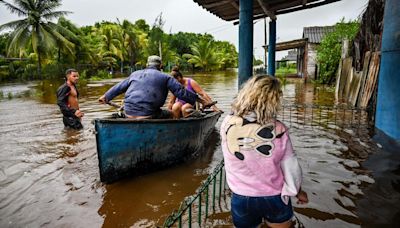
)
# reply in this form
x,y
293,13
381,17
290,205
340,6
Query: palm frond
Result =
x,y
18,39
26,5
13,24
53,33
46,6
65,32
14,9
55,14
35,41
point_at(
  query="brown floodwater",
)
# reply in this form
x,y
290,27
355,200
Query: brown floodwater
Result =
x,y
49,176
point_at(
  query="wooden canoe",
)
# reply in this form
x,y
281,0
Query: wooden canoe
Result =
x,y
127,147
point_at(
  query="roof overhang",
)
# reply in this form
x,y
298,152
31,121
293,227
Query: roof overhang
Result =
x,y
228,10
289,45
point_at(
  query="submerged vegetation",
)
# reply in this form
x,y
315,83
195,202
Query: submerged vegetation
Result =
x,y
37,47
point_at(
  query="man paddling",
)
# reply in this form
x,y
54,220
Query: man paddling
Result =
x,y
146,91
67,100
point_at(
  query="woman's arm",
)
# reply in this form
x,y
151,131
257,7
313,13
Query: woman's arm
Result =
x,y
197,88
290,168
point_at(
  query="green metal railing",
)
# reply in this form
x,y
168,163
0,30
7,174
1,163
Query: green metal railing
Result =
x,y
196,209
213,191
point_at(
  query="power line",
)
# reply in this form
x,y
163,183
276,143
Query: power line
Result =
x,y
217,28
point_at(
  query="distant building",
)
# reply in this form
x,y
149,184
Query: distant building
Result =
x,y
291,57
304,50
307,55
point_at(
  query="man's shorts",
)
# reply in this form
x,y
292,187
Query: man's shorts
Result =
x,y
162,114
249,211
72,122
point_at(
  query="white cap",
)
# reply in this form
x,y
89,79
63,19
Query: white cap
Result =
x,y
153,60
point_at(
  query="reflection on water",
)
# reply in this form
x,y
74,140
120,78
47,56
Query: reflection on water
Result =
x,y
49,176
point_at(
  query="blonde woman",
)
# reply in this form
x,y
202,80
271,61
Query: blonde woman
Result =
x,y
261,167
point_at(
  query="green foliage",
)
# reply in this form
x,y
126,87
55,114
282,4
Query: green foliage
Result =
x,y
257,62
282,79
204,55
36,30
46,49
328,53
286,70
4,39
83,74
101,74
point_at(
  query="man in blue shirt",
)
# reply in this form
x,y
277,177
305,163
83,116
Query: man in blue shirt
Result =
x,y
146,91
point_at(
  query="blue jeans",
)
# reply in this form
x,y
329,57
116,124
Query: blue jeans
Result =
x,y
249,211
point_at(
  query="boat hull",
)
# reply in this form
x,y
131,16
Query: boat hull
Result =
x,y
127,147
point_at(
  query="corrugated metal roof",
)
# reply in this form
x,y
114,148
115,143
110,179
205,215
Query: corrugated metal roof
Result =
x,y
228,10
315,34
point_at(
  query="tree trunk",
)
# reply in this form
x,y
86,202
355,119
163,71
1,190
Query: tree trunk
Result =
x,y
59,54
160,49
39,66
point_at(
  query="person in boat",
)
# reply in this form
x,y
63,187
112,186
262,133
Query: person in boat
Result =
x,y
179,107
67,100
146,91
262,169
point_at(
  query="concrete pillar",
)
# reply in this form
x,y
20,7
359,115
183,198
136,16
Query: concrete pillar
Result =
x,y
388,102
272,47
245,40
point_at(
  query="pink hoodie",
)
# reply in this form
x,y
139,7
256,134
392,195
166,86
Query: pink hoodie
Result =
x,y
256,171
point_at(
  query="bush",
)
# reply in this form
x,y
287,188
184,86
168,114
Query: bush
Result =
x,y
101,74
328,53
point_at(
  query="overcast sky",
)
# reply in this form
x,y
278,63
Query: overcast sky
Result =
x,y
187,16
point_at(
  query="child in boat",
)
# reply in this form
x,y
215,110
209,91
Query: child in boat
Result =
x,y
179,107
262,169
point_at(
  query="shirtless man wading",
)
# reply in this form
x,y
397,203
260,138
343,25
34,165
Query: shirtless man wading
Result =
x,y
67,100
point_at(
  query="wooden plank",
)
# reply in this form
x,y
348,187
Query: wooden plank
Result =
x,y
371,79
349,71
344,77
365,69
338,78
354,87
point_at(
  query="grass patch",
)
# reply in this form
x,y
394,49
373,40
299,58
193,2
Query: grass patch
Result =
x,y
285,71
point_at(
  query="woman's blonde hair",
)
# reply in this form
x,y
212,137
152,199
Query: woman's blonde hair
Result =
x,y
261,95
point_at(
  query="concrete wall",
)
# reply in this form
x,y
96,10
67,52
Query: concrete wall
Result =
x,y
311,60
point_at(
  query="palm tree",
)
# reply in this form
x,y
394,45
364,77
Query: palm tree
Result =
x,y
110,45
72,33
204,55
133,41
35,29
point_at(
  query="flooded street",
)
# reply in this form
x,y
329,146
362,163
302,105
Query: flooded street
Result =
x,y
49,176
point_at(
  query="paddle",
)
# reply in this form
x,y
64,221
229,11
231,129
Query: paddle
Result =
x,y
115,105
120,108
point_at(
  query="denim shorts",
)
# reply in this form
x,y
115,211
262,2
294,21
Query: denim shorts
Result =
x,y
249,211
